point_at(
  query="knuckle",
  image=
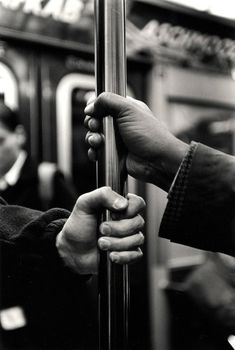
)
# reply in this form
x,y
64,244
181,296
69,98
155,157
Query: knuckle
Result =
x,y
90,123
81,200
104,96
141,221
141,202
140,253
89,138
105,191
92,139
82,197
86,121
93,124
141,238
97,138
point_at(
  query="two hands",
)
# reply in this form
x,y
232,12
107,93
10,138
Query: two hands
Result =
x,y
77,242
154,155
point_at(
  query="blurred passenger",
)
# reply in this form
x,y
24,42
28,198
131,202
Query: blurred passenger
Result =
x,y
202,305
22,180
211,286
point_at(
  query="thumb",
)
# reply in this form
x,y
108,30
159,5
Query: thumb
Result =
x,y
101,198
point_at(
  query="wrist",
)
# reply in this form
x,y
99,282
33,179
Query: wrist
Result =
x,y
75,256
64,250
164,168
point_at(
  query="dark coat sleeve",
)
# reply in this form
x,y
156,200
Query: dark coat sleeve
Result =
x,y
30,230
207,217
54,300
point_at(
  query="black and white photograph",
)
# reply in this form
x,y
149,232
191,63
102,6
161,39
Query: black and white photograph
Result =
x,y
117,175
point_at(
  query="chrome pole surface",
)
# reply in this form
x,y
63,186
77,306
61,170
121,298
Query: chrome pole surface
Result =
x,y
110,57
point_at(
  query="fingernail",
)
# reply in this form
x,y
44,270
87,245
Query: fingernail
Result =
x,y
91,99
91,123
89,137
104,243
114,257
120,203
105,229
89,108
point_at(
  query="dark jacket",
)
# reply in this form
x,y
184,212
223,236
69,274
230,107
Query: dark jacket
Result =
x,y
26,191
211,287
55,301
206,212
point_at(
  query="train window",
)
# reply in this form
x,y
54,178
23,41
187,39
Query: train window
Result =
x,y
84,171
8,87
71,97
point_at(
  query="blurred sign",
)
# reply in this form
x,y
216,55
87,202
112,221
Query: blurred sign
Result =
x,y
70,20
177,42
64,10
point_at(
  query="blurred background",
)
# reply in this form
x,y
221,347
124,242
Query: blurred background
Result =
x,y
181,62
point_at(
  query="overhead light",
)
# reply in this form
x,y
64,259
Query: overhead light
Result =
x,y
225,8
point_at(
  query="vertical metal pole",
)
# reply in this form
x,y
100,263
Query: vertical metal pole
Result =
x,y
110,56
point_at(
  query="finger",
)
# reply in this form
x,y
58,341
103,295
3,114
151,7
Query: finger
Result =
x,y
94,124
106,103
91,123
121,244
95,140
103,197
121,228
88,134
92,155
91,97
86,120
135,205
126,257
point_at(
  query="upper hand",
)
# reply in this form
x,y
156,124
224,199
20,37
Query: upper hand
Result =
x,y
154,154
77,243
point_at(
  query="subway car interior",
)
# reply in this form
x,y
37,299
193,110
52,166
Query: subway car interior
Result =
x,y
181,62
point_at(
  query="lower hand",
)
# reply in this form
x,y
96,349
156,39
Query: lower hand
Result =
x,y
77,243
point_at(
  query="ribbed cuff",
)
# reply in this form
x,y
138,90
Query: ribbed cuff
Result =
x,y
177,192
